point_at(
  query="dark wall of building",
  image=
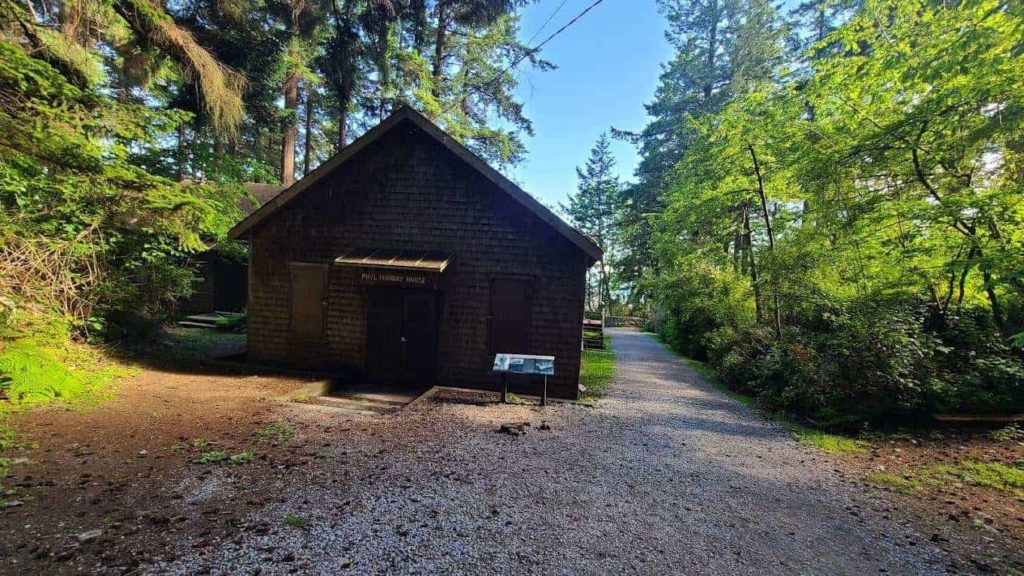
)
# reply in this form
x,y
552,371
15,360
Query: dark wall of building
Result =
x,y
406,191
220,285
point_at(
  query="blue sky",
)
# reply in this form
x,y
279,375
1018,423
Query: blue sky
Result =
x,y
608,65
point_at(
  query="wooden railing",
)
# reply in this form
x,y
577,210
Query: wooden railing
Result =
x,y
593,334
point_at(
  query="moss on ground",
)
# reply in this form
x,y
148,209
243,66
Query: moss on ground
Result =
x,y
905,484
832,443
994,475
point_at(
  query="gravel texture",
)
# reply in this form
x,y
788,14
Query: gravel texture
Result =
x,y
665,476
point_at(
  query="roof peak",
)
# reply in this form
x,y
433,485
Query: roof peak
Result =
x,y
407,112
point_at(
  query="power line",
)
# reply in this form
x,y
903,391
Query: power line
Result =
x,y
548,21
568,24
535,49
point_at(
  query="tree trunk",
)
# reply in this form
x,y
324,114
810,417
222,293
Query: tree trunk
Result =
x,y
440,38
750,262
307,153
771,234
418,10
291,131
709,83
970,231
345,36
180,160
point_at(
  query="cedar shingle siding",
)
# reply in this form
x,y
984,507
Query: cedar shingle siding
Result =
x,y
405,190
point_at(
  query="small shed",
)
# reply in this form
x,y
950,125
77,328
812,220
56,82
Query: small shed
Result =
x,y
406,260
222,279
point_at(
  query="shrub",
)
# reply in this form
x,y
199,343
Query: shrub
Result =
x,y
841,365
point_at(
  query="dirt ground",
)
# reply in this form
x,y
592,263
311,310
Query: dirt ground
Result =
x,y
686,472
119,468
983,525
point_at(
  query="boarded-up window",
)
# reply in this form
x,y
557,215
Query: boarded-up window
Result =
x,y
309,282
510,315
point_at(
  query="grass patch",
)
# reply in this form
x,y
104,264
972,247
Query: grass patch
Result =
x,y
211,457
512,398
596,370
988,474
200,443
1011,433
242,458
280,431
994,475
904,484
222,457
198,340
831,443
293,521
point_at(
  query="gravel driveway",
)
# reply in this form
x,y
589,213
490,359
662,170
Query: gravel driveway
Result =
x,y
665,476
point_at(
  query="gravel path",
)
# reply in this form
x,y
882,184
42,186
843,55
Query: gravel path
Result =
x,y
665,476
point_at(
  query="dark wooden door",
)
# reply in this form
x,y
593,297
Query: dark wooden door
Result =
x,y
419,338
384,335
401,335
510,315
230,283
309,302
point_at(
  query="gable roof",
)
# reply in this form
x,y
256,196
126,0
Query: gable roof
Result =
x,y
583,242
258,194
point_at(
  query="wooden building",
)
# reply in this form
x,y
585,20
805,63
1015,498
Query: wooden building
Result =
x,y
406,259
222,279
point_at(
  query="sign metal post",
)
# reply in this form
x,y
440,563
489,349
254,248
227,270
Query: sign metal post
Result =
x,y
524,364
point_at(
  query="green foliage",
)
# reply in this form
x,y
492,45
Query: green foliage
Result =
x,y
514,399
840,233
234,322
994,475
831,443
279,431
297,522
211,457
1011,433
242,458
905,484
222,457
41,365
592,209
88,234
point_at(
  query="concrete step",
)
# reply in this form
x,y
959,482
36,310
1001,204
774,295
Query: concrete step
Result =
x,y
208,320
204,317
374,398
353,407
191,324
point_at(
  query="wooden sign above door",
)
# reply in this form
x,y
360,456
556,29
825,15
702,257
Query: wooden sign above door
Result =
x,y
402,278
401,268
